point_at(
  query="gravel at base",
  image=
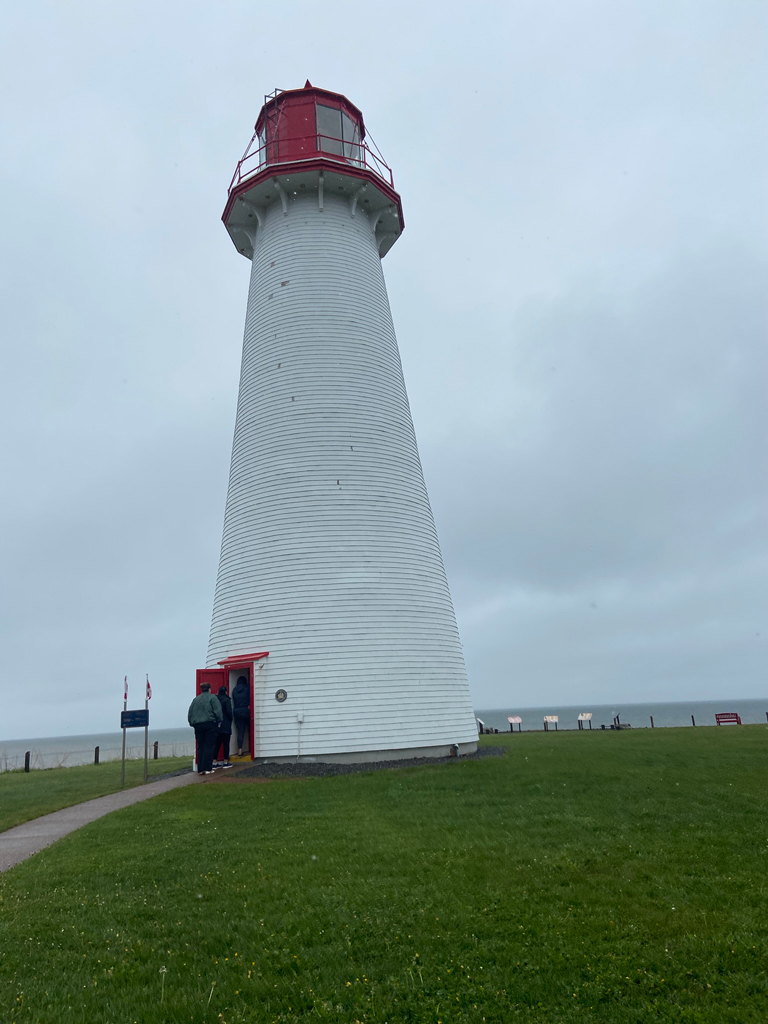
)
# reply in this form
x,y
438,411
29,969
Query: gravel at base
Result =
x,y
312,769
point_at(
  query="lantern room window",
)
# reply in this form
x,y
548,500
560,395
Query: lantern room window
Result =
x,y
337,133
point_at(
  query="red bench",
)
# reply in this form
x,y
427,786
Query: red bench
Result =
x,y
728,716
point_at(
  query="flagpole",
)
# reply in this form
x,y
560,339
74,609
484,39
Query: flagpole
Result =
x,y
146,730
125,708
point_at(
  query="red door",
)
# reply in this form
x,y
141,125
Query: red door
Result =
x,y
215,677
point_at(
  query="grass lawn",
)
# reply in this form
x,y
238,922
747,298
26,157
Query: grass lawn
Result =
x,y
600,877
27,795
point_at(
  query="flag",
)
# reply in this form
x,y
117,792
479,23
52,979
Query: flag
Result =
x,y
125,689
149,689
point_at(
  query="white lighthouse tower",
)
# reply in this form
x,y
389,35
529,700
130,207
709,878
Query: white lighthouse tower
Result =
x,y
331,597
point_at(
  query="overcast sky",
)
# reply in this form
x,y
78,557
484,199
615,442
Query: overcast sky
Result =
x,y
579,297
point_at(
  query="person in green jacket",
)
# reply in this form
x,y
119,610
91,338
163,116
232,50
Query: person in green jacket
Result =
x,y
204,716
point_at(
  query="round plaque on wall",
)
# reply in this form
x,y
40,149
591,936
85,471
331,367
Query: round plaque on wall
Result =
x,y
280,696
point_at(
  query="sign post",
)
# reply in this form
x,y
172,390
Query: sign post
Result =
x,y
146,729
125,706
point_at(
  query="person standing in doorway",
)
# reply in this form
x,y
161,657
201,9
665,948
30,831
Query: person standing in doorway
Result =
x,y
204,716
225,730
241,710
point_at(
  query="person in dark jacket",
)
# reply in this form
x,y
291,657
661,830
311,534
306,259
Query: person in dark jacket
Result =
x,y
204,716
225,729
241,710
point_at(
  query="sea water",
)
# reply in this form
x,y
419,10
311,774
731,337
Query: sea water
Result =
x,y
62,751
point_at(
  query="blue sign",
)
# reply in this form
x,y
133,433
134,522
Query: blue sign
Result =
x,y
134,719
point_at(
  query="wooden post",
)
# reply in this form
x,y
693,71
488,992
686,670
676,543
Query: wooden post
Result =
x,y
26,760
652,726
693,720
156,745
95,755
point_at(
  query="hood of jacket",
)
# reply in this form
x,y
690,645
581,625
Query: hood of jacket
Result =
x,y
241,695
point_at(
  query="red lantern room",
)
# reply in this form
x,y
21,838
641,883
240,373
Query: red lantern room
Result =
x,y
311,138
299,124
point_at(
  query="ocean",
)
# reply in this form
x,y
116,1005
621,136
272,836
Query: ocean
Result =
x,y
65,751
60,751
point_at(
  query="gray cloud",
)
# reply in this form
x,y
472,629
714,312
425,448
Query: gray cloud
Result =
x,y
609,538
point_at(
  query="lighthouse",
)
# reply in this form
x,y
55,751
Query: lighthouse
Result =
x,y
332,602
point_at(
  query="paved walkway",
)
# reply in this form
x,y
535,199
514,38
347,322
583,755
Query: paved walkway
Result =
x,y
16,844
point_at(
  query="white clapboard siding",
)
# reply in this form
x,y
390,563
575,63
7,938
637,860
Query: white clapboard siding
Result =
x,y
330,559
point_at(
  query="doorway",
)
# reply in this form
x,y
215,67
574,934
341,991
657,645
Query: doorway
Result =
x,y
242,727
227,674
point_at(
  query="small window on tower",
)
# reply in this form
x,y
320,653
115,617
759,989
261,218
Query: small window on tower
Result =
x,y
262,148
329,129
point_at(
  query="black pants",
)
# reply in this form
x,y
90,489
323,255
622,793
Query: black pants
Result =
x,y
206,735
242,724
222,746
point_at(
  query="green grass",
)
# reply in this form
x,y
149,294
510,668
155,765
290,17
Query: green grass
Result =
x,y
601,877
27,795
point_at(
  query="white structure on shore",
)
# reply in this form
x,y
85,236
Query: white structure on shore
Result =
x,y
330,560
